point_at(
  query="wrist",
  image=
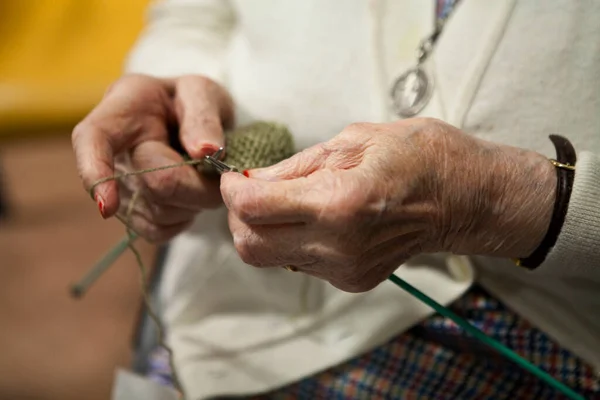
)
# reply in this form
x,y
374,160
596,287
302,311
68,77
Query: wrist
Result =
x,y
511,206
529,203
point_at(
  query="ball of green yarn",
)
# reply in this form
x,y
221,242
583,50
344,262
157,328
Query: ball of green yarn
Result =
x,y
258,145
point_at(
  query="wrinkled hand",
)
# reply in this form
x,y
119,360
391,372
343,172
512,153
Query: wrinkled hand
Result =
x,y
353,209
128,131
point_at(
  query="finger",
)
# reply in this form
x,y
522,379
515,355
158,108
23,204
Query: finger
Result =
x,y
158,214
203,109
378,263
339,153
151,231
259,202
401,247
299,165
133,108
95,161
272,246
167,215
330,197
181,187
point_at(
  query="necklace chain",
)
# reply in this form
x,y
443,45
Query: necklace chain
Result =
x,y
443,10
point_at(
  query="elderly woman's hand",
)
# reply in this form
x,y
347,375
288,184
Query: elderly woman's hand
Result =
x,y
129,130
353,209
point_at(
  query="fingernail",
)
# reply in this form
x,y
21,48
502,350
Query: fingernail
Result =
x,y
257,173
206,149
100,203
246,173
263,175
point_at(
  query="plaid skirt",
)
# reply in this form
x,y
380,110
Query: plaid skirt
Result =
x,y
437,360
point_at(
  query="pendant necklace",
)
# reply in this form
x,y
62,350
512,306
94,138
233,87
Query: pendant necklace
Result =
x,y
413,89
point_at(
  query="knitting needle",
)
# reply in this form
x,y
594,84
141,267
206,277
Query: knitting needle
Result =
x,y
215,161
82,286
482,337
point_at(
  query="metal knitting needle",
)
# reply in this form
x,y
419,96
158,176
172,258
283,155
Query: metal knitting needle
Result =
x,y
215,161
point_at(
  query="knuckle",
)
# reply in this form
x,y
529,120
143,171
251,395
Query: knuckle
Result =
x,y
198,82
358,126
246,207
76,133
341,211
432,121
207,84
204,81
162,185
310,157
128,81
245,250
80,130
140,92
358,130
358,283
427,129
150,232
350,286
159,214
354,288
431,126
352,277
245,215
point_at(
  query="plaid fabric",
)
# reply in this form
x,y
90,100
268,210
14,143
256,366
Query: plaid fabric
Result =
x,y
436,360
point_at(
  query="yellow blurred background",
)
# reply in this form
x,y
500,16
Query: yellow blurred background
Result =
x,y
56,59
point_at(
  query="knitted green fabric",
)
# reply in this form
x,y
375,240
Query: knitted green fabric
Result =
x,y
258,145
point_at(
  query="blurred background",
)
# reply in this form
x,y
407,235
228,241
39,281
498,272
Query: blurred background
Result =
x,y
56,59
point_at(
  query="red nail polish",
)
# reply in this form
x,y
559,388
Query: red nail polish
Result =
x,y
100,204
246,173
208,149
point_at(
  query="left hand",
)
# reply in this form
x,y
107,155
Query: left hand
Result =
x,y
353,209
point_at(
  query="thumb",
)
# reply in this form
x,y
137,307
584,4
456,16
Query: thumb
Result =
x,y
299,165
203,109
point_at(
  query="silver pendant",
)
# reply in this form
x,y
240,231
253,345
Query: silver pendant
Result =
x,y
411,92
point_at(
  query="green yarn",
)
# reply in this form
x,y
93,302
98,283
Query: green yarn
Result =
x,y
258,145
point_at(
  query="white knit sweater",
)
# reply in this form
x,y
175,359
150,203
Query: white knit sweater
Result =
x,y
508,71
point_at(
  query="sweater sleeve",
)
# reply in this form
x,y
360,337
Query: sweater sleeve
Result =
x,y
577,250
184,37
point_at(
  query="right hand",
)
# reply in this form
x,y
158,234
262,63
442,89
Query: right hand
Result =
x,y
128,131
